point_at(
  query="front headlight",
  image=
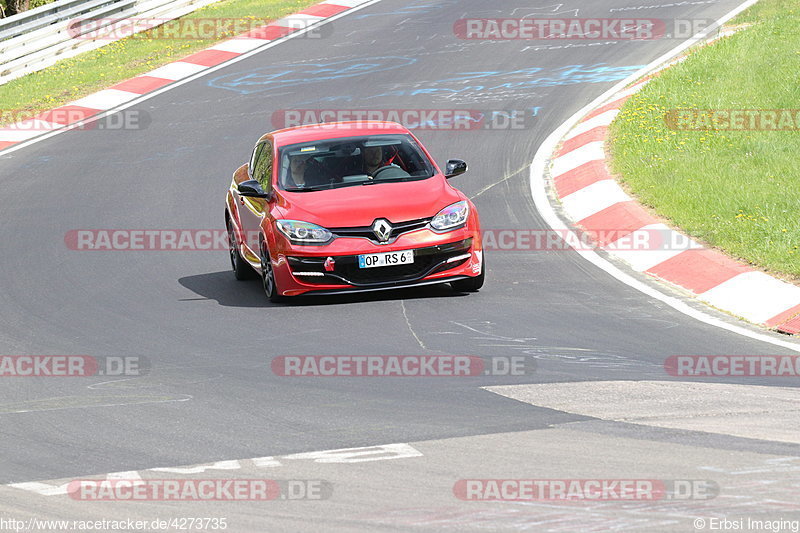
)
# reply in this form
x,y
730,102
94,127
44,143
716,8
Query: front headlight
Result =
x,y
451,217
303,232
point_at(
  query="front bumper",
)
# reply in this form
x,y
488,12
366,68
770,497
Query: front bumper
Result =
x,y
407,285
458,257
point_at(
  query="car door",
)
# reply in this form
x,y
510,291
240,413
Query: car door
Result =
x,y
254,210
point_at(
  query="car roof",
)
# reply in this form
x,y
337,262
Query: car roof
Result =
x,y
333,130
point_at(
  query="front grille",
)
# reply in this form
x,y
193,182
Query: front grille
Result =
x,y
367,233
351,271
346,270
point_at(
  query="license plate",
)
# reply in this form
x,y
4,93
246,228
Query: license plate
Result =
x,y
383,259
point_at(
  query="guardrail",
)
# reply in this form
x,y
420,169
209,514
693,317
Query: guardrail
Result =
x,y
36,39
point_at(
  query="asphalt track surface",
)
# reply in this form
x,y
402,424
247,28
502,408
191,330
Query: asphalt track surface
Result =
x,y
211,395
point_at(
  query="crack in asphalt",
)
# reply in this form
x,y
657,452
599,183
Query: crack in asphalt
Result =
x,y
408,323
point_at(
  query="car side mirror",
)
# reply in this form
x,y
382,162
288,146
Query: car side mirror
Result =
x,y
455,167
252,188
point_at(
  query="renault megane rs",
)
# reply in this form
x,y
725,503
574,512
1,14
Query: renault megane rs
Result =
x,y
348,207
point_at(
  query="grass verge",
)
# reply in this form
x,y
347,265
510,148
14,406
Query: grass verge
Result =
x,y
734,190
86,73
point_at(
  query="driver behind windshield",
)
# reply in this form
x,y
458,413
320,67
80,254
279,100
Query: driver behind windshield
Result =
x,y
305,171
373,159
367,162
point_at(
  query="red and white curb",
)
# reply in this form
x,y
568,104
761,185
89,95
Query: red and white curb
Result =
x,y
593,200
80,110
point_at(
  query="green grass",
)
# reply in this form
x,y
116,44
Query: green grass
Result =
x,y
86,73
735,190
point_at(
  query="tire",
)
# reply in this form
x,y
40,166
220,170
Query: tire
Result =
x,y
268,276
241,268
471,284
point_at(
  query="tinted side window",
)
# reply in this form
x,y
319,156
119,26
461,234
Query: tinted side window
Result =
x,y
262,170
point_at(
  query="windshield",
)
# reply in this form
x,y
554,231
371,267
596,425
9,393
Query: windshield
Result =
x,y
334,163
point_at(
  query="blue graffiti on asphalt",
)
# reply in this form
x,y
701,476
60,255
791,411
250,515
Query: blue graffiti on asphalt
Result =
x,y
515,80
268,78
562,75
489,84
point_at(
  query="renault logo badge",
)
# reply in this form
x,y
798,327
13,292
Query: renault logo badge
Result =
x,y
382,229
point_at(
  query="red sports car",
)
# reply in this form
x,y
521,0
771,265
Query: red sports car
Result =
x,y
349,207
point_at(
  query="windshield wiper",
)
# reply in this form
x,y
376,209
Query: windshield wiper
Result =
x,y
389,180
333,185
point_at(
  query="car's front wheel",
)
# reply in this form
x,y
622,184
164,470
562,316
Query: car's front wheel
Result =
x,y
241,269
268,276
471,284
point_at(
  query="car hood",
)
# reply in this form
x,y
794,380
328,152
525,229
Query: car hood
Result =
x,y
360,205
